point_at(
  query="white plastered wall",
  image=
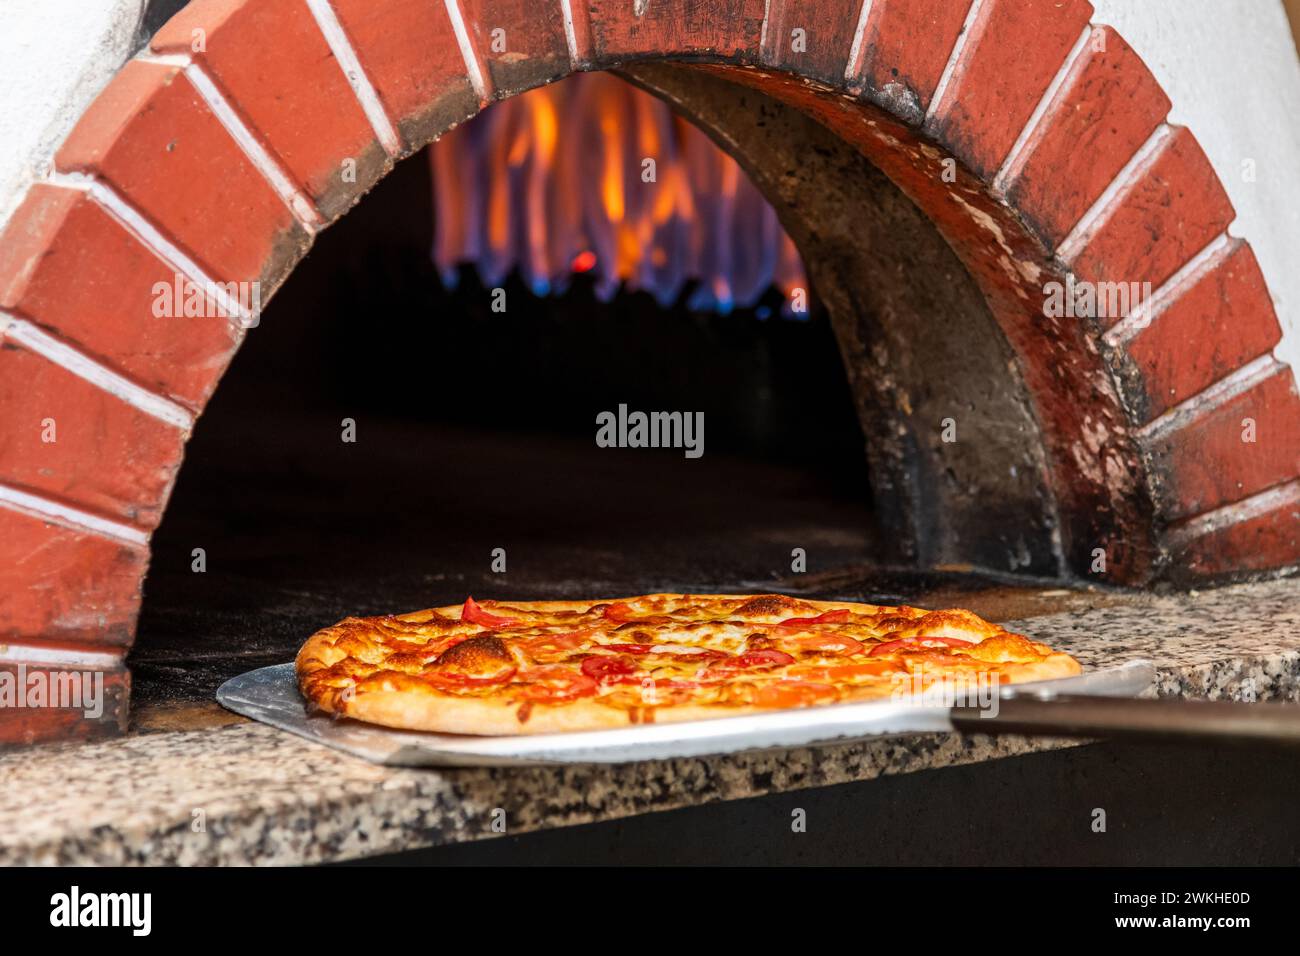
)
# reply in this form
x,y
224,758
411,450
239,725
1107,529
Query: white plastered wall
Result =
x,y
1229,66
55,56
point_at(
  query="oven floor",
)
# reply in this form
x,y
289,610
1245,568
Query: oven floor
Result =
x,y
408,517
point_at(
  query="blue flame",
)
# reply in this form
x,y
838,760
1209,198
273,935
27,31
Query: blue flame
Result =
x,y
558,175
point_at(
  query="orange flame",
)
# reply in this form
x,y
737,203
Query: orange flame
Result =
x,y
592,175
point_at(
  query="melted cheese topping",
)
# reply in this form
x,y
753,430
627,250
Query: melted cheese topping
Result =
x,y
660,650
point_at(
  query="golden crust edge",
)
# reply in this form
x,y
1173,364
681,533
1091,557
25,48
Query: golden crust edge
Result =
x,y
586,605
477,717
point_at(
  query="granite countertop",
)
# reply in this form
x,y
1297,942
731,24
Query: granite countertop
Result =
x,y
246,793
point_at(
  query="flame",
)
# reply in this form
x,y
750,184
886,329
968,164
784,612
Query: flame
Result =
x,y
591,175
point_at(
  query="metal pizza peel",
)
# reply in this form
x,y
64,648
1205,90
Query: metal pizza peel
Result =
x,y
1102,703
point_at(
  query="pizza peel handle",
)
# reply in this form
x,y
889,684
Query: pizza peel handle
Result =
x,y
1124,718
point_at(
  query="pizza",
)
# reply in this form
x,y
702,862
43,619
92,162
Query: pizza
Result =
x,y
497,667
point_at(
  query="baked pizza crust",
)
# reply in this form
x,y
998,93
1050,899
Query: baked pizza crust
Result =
x,y
405,701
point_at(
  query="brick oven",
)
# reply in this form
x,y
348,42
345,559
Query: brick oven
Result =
x,y
975,186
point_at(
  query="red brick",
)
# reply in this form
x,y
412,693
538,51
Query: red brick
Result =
x,y
67,265
153,139
1258,543
410,55
1205,464
1109,106
535,51
272,62
1171,213
20,726
1015,49
828,27
64,586
906,45
108,457
1218,324
726,29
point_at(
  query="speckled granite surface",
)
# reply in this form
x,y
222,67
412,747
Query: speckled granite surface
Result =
x,y
247,793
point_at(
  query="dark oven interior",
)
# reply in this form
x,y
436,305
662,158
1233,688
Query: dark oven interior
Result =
x,y
390,439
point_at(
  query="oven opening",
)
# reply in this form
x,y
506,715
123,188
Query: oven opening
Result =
x,y
425,410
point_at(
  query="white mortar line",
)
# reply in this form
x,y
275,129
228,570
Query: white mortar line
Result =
x,y
955,58
1257,505
130,218
57,657
332,30
70,518
178,60
1220,393
571,33
1173,288
1064,77
302,208
86,368
762,33
855,48
477,78
1114,194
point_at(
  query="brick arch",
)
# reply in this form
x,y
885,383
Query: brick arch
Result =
x,y
220,151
